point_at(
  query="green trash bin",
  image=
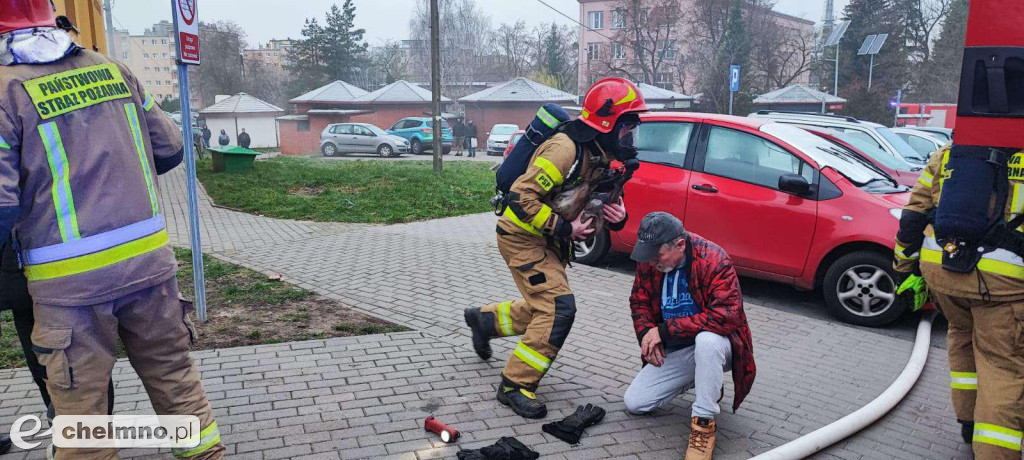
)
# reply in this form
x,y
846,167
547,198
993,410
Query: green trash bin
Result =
x,y
235,160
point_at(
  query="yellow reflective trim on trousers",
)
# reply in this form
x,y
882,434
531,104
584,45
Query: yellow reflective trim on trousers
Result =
x,y
523,225
505,319
901,254
996,435
96,260
925,179
140,148
964,380
210,437
995,267
542,216
531,357
550,169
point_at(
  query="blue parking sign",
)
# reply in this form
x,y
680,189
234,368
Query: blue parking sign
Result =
x,y
734,78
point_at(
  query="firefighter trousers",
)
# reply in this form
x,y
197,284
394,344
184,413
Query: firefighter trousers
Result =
x,y
986,362
543,317
78,347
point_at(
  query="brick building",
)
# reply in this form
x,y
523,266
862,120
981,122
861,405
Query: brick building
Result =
x,y
341,102
513,102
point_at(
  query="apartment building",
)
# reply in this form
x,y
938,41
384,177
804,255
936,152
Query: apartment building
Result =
x,y
150,57
274,53
606,19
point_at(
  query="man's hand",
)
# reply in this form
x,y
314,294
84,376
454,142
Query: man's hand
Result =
x,y
652,348
614,212
581,228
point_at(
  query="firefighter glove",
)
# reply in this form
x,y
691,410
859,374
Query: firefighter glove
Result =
x,y
914,290
506,448
571,428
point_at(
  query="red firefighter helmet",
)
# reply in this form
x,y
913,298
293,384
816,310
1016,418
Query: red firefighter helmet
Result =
x,y
25,14
990,110
607,100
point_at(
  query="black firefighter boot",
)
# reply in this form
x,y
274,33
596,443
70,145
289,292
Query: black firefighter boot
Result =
x,y
482,325
967,431
520,400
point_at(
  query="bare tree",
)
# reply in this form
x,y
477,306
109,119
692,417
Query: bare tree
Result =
x,y
780,54
922,19
512,44
555,53
388,64
465,40
643,46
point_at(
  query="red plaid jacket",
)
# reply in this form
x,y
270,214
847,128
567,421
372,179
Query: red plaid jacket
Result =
x,y
715,287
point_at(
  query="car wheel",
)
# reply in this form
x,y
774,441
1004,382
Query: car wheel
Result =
x,y
593,249
329,149
417,147
385,151
860,288
446,150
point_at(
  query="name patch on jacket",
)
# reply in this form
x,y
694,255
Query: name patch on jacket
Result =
x,y
1016,167
65,92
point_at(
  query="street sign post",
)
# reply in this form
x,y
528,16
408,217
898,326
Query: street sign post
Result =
x,y
186,33
734,84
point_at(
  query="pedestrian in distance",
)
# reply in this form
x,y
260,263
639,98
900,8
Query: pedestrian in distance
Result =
x,y
207,135
470,138
243,139
459,135
223,139
688,316
96,256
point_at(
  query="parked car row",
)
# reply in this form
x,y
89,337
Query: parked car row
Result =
x,y
807,200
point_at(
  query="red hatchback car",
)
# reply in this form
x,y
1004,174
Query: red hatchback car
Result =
x,y
786,205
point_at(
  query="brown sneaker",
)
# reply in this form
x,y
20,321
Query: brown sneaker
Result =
x,y
702,439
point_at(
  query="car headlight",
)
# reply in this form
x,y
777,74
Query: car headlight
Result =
x,y
896,212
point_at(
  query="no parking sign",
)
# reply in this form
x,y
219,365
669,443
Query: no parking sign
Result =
x,y
186,29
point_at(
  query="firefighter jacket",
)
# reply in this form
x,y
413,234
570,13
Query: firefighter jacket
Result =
x,y
81,144
529,210
999,275
715,287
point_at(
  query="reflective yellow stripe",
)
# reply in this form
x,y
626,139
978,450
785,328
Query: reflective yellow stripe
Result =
x,y
942,169
505,319
1017,203
148,104
210,437
4,144
542,216
925,179
902,255
964,380
531,357
547,118
998,262
523,225
140,149
996,435
96,260
550,169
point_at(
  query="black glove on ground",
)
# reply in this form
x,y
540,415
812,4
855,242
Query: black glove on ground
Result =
x,y
571,428
505,449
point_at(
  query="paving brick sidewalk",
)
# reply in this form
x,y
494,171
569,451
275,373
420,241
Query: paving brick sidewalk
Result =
x,y
365,397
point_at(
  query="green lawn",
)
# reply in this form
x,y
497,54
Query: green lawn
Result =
x,y
370,191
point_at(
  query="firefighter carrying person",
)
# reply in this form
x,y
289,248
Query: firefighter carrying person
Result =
x,y
535,238
81,145
961,240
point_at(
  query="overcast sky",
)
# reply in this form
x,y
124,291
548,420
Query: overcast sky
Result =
x,y
382,19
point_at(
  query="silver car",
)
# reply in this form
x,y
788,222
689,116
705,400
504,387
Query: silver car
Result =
x,y
344,138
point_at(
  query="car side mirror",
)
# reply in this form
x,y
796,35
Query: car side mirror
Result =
x,y
795,184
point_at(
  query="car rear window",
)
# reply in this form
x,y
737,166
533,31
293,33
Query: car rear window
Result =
x,y
663,142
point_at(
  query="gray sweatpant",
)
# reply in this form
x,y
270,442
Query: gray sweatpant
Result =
x,y
701,367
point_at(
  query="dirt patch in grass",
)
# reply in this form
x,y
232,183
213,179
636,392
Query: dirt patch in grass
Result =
x,y
249,308
306,191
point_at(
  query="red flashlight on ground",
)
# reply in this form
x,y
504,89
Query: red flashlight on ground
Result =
x,y
447,433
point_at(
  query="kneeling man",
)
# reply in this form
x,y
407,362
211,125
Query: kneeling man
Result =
x,y
688,315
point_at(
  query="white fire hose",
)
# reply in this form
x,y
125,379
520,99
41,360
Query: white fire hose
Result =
x,y
838,430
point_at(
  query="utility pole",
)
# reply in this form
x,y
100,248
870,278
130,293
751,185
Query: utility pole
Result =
x,y
435,81
108,9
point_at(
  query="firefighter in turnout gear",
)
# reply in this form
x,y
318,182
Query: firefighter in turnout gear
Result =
x,y
81,145
536,231
961,240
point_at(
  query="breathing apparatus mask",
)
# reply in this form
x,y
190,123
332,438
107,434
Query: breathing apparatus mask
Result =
x,y
619,142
